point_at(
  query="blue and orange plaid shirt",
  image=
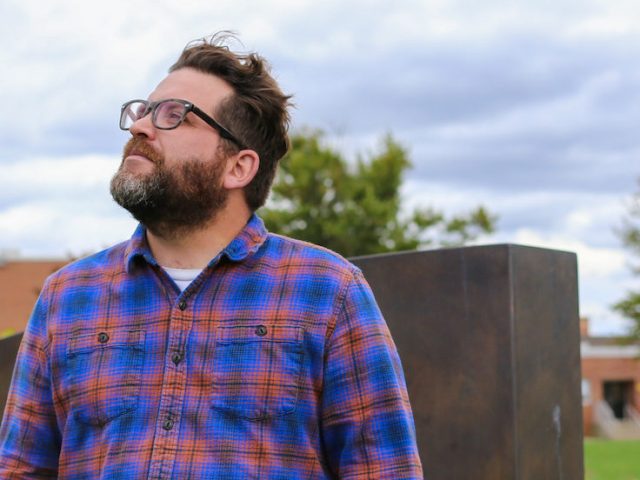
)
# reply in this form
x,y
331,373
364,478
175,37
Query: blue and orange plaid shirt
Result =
x,y
275,363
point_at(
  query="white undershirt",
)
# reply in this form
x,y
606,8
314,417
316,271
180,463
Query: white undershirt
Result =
x,y
183,276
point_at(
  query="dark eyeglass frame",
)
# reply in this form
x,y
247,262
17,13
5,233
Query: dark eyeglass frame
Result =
x,y
152,107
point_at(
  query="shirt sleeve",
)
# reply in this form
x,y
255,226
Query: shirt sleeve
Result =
x,y
367,423
29,436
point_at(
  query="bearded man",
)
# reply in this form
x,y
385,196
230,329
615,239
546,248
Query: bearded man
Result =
x,y
205,347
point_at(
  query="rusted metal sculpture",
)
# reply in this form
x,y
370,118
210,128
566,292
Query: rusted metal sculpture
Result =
x,y
490,344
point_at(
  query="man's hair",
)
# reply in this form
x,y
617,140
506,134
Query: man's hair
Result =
x,y
257,112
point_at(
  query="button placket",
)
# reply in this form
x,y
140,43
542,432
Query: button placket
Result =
x,y
174,384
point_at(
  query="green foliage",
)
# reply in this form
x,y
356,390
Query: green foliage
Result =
x,y
611,460
629,306
356,209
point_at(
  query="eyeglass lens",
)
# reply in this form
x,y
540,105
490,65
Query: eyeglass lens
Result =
x,y
165,115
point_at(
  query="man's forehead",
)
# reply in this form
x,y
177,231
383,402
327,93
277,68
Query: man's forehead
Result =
x,y
203,89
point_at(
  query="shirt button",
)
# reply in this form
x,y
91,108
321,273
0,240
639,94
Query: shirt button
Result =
x,y
176,358
103,337
168,424
182,305
261,330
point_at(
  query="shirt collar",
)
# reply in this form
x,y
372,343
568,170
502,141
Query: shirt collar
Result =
x,y
247,242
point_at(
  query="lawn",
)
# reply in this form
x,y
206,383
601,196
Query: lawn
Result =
x,y
612,460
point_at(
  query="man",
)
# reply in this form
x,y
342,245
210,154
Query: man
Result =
x,y
205,347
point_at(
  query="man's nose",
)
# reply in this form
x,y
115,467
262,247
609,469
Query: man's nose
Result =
x,y
143,126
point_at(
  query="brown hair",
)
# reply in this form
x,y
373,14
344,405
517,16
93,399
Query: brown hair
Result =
x,y
257,112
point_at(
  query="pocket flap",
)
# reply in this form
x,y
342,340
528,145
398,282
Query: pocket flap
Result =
x,y
105,338
259,333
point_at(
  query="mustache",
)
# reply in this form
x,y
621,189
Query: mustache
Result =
x,y
138,146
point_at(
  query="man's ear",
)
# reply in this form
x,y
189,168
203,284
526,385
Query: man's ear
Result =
x,y
241,168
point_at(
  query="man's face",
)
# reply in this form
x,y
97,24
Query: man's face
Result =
x,y
171,180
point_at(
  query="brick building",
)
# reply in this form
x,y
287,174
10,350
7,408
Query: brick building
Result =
x,y
610,385
20,284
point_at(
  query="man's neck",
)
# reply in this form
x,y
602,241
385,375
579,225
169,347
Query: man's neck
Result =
x,y
196,248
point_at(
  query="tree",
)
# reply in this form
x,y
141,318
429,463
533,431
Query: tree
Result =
x,y
629,306
356,209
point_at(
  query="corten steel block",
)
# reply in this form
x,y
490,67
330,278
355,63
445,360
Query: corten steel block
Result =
x,y
8,351
490,344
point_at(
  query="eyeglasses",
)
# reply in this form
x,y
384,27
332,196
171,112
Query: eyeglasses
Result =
x,y
167,115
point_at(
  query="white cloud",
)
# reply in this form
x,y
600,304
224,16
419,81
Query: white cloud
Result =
x,y
60,206
41,175
60,229
592,261
525,107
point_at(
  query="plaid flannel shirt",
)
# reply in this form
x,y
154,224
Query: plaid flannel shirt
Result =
x,y
275,363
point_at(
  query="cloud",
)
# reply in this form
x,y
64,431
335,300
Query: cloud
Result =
x,y
61,229
526,107
53,207
593,261
572,214
52,177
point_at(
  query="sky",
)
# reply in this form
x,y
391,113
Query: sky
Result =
x,y
529,108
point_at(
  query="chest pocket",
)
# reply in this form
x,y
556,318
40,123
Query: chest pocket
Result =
x,y
257,370
104,368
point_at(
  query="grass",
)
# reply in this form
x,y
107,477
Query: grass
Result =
x,y
612,460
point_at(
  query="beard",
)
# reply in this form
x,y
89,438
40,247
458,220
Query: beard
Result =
x,y
170,201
